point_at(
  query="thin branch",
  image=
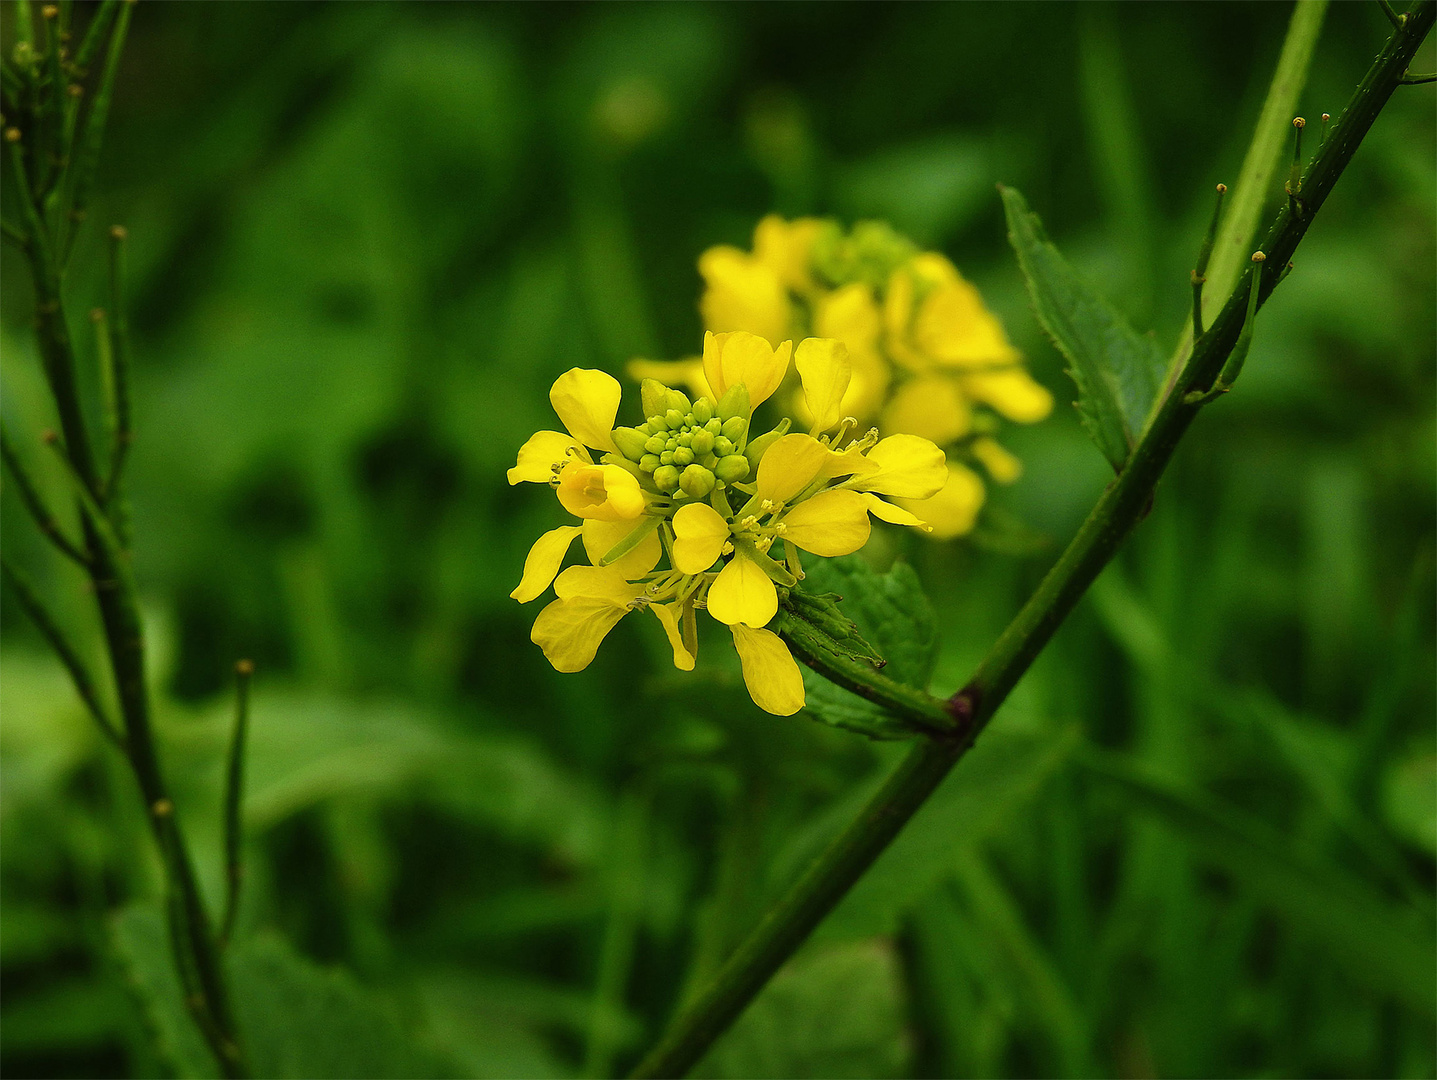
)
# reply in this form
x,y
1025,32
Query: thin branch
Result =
x,y
39,512
1117,513
82,175
234,799
119,346
49,629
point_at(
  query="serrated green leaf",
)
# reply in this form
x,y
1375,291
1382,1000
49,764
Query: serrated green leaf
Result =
x,y
894,617
1118,371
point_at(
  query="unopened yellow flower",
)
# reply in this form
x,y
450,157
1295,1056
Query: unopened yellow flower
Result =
x,y
730,512
925,355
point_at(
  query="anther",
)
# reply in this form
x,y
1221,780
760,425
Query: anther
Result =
x,y
12,134
162,808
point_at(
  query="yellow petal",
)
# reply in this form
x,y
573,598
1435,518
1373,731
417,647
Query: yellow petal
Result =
x,y
956,330
700,533
787,248
790,465
1001,465
543,562
601,536
954,509
894,515
908,466
688,372
930,407
831,523
607,492
596,583
741,357
824,368
570,631
587,402
1012,392
769,671
538,456
743,593
742,293
849,314
668,616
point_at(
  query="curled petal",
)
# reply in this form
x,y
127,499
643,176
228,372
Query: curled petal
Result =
x,y
596,583
769,670
607,492
668,615
930,407
700,533
587,402
742,293
824,368
570,631
1010,391
908,466
831,523
1001,465
743,593
894,515
741,357
954,509
600,537
543,562
541,453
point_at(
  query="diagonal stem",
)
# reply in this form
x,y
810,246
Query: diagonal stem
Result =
x,y
1121,507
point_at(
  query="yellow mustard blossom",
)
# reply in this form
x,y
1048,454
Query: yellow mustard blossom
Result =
x,y
926,356
690,510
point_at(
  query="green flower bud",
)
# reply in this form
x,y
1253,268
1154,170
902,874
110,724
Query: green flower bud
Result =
x,y
703,411
666,458
658,424
683,456
734,403
697,481
734,429
630,443
666,478
679,402
655,444
733,468
648,463
723,446
674,419
714,427
686,438
655,397
701,442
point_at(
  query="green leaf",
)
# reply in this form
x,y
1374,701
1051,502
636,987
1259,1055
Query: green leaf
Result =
x,y
1390,949
296,1019
833,1011
1117,370
143,944
894,619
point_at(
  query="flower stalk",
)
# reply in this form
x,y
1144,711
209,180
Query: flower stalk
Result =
x,y
1122,506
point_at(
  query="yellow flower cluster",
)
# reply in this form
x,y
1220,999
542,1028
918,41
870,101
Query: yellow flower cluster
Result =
x,y
690,510
928,358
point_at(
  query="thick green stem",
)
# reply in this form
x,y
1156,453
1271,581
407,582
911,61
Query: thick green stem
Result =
x,y
1122,506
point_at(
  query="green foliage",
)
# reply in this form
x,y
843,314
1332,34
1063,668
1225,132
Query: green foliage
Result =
x,y
1118,371
894,621
366,238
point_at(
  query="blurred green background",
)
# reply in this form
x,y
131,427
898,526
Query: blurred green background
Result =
x,y
1199,840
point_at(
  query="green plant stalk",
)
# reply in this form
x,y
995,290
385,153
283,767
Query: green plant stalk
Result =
x,y
1122,506
234,799
44,520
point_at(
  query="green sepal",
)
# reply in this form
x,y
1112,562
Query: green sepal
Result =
x,y
755,448
734,403
630,442
635,537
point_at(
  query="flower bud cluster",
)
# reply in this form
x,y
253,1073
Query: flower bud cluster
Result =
x,y
688,448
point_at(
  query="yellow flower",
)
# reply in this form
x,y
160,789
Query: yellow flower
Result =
x,y
925,356
732,512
